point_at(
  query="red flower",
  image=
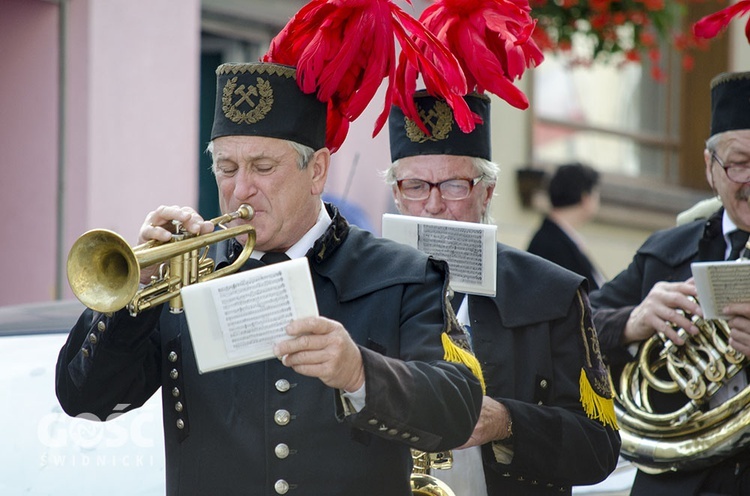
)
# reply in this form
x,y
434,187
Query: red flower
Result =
x,y
653,4
688,62
633,56
648,39
619,31
599,5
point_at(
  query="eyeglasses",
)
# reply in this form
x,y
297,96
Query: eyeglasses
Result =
x,y
450,189
738,173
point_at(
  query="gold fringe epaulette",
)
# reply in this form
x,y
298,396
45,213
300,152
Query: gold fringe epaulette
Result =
x,y
456,344
454,353
594,383
596,407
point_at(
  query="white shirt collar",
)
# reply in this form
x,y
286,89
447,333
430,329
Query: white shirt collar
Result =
x,y
728,227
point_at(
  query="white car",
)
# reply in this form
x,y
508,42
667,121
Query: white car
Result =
x,y
43,451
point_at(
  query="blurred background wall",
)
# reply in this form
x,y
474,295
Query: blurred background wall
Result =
x,y
106,105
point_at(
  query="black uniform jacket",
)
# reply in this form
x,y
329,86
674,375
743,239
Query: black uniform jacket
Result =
x,y
261,428
552,243
665,256
529,341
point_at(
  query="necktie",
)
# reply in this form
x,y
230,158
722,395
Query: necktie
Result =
x,y
273,257
738,240
233,252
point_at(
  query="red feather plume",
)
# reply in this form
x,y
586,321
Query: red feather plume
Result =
x,y
492,41
713,24
344,49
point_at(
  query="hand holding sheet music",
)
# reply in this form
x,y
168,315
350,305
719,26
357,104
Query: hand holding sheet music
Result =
x,y
237,319
721,283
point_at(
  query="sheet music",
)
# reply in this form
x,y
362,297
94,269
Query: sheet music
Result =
x,y
469,248
238,318
464,257
268,295
721,283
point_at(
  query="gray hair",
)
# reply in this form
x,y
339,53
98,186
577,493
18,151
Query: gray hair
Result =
x,y
713,142
488,169
304,154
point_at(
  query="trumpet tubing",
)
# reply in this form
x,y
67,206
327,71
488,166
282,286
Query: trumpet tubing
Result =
x,y
104,270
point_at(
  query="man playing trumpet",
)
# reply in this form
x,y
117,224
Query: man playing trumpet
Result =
x,y
352,391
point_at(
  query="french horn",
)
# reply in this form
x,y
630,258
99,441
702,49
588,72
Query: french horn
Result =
x,y
104,271
696,433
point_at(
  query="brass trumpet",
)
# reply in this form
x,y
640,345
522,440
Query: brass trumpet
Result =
x,y
104,271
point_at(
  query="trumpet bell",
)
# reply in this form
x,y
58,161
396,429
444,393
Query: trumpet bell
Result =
x,y
103,271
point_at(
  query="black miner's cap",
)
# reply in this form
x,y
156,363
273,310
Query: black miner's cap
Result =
x,y
730,102
263,99
407,140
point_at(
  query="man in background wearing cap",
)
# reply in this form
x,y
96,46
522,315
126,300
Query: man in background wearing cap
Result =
x,y
534,339
574,200
651,295
351,392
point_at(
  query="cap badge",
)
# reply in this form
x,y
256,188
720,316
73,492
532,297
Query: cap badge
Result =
x,y
439,120
258,99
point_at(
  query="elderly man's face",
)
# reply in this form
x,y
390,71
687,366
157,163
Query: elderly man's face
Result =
x,y
435,169
263,173
733,150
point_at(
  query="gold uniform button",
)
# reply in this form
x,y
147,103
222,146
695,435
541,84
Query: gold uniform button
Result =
x,y
282,417
175,392
282,385
414,439
281,450
85,352
180,424
405,435
92,338
543,383
172,357
178,406
174,374
281,486
392,432
373,421
101,326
